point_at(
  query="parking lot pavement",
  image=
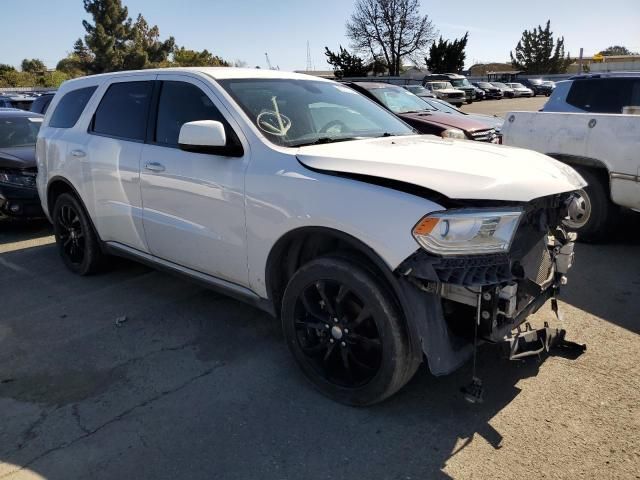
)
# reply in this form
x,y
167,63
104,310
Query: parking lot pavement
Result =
x,y
195,385
506,105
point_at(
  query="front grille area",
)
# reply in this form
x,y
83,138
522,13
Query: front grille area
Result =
x,y
474,270
456,95
484,135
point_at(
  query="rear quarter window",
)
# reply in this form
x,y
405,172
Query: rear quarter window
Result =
x,y
70,107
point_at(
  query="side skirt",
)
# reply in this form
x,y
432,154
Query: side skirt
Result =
x,y
213,283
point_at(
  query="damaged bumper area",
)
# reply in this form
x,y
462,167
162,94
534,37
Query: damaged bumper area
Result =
x,y
457,299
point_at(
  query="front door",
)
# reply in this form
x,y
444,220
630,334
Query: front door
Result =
x,y
193,203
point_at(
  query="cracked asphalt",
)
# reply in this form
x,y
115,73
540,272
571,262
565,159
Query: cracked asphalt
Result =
x,y
196,385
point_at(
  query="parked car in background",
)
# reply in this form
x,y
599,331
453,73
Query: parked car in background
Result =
x,y
491,121
23,102
419,91
489,90
445,91
41,103
538,86
459,82
480,94
520,90
506,90
603,148
18,193
598,93
374,246
425,118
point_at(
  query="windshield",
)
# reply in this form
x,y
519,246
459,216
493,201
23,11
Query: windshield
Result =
x,y
440,85
292,113
398,100
516,85
417,89
484,85
19,131
499,85
460,82
443,106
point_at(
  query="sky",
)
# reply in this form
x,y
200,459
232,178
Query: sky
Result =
x,y
246,29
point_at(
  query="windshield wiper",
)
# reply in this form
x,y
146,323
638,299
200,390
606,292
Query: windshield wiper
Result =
x,y
322,140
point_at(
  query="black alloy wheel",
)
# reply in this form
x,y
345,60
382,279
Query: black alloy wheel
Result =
x,y
344,330
77,242
336,331
72,236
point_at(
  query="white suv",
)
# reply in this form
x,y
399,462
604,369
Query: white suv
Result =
x,y
373,244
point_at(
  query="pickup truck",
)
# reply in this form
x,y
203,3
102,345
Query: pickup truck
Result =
x,y
603,148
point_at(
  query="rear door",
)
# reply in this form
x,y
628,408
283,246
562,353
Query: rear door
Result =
x,y
116,137
193,202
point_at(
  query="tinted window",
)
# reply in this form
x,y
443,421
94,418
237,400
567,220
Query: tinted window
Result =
x,y
41,104
19,131
123,110
180,103
606,95
70,107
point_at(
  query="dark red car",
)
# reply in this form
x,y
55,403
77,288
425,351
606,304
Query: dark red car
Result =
x,y
422,116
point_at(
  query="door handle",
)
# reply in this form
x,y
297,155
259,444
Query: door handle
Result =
x,y
154,166
78,153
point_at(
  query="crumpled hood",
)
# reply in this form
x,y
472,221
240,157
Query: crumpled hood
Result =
x,y
18,157
464,122
458,169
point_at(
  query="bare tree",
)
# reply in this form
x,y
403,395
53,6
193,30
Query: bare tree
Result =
x,y
393,29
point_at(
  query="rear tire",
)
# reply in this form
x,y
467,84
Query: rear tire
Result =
x,y
592,213
346,332
77,241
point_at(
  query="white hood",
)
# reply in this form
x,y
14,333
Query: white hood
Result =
x,y
458,169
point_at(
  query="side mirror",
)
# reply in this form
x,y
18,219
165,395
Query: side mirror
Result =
x,y
208,136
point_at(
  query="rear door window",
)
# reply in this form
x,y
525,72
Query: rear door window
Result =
x,y
123,111
70,107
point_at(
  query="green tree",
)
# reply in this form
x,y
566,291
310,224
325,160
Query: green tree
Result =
x,y
346,64
53,79
447,56
33,65
183,57
145,49
6,68
13,78
114,42
538,53
616,50
391,29
108,36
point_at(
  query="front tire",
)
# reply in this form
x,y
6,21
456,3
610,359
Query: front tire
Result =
x,y
77,242
346,332
592,213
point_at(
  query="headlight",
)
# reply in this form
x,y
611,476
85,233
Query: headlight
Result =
x,y
21,179
453,133
463,232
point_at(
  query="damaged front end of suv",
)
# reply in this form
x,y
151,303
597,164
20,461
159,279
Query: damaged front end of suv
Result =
x,y
480,272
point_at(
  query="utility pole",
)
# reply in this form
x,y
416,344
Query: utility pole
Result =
x,y
309,63
580,61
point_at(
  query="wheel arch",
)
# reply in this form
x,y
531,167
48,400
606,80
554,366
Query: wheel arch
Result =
x,y
598,167
57,186
303,244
